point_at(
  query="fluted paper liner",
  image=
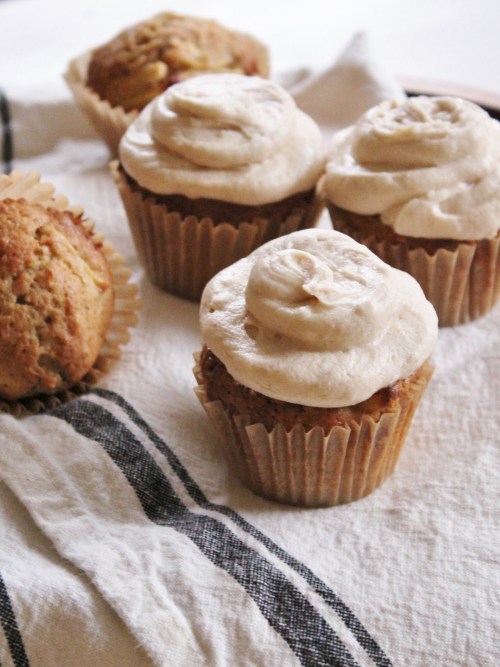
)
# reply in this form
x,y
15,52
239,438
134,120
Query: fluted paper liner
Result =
x,y
313,468
462,284
109,122
180,255
28,186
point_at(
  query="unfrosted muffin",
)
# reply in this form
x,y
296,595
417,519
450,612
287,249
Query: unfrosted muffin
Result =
x,y
65,301
213,168
56,300
144,60
316,355
418,182
118,79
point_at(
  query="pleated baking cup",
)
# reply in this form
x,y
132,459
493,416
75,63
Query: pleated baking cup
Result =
x,y
109,122
462,281
181,253
18,185
311,468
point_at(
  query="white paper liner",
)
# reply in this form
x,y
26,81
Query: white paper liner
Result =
x,y
180,255
313,468
109,122
461,284
28,186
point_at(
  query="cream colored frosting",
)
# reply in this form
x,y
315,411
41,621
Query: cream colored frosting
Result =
x,y
316,318
224,136
430,167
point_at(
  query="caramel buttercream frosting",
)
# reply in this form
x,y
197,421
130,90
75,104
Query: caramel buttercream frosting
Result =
x,y
227,137
317,319
429,166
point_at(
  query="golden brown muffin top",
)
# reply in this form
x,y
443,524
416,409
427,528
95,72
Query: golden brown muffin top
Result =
x,y
56,299
143,60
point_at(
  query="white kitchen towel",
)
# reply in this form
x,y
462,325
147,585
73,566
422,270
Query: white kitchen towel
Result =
x,y
50,614
126,540
337,96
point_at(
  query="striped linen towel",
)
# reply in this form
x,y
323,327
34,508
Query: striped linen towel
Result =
x,y
125,540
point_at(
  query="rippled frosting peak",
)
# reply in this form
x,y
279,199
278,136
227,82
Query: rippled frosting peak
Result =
x,y
317,319
429,166
319,305
224,136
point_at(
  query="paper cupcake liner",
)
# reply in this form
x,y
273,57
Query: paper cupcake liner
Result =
x,y
181,254
462,284
28,186
313,468
109,122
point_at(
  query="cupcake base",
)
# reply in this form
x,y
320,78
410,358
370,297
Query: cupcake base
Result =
x,y
182,249
310,466
460,278
28,186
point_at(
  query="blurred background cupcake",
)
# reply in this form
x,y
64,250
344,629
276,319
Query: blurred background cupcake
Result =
x,y
212,168
316,355
65,302
113,82
418,182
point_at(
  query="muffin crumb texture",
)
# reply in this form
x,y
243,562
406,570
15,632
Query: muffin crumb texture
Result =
x,y
56,299
142,61
240,400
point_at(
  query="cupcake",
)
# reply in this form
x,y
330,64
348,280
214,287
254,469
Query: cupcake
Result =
x,y
114,82
315,356
418,182
213,168
65,306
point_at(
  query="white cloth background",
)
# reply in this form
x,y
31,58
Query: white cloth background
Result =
x,y
126,540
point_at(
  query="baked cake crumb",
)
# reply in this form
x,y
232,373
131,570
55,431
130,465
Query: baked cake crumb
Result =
x,y
56,299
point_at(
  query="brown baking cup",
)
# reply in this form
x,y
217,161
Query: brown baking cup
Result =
x,y
109,122
314,468
460,278
181,252
18,185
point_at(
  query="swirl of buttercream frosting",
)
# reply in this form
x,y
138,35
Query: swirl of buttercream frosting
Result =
x,y
316,303
224,136
429,166
315,318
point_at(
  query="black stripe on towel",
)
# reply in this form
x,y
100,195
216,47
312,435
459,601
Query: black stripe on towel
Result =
x,y
286,609
11,629
7,142
365,640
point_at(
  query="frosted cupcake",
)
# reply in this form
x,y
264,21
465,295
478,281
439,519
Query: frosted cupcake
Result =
x,y
418,182
65,301
316,355
213,168
113,82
